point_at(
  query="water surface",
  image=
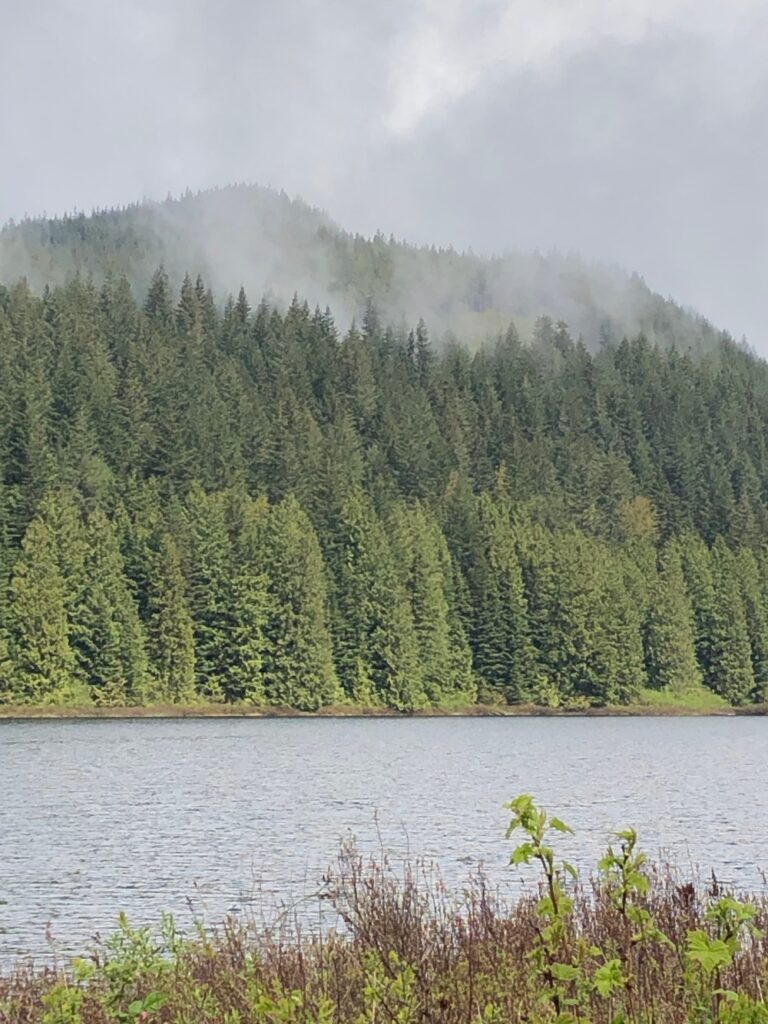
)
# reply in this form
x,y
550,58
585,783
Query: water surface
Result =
x,y
170,814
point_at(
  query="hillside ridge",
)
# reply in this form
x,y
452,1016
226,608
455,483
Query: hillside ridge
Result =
x,y
277,246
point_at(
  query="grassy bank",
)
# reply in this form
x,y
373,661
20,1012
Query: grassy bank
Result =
x,y
635,944
651,704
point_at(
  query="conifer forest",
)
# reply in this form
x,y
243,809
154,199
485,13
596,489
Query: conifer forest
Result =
x,y
212,500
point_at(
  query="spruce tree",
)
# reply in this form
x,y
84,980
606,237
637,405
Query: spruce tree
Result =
x,y
8,680
619,657
374,640
535,550
298,668
545,570
209,571
756,609
425,568
501,639
245,647
580,666
730,671
697,570
110,646
170,633
44,660
670,648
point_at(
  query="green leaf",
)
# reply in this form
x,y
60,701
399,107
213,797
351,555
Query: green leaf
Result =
x,y
521,805
708,953
564,972
522,854
559,826
609,978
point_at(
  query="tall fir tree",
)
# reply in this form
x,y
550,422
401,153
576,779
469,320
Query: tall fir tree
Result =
x,y
500,633
670,647
424,564
170,631
730,671
111,644
298,668
374,639
44,661
209,571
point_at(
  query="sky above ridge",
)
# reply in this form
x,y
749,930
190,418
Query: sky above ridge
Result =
x,y
633,132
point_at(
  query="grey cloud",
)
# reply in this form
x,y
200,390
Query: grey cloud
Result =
x,y
647,148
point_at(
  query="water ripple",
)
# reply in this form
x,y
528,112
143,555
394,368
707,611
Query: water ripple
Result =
x,y
157,815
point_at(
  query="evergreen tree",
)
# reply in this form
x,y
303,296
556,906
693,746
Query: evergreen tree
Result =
x,y
620,660
8,691
730,671
488,517
44,660
244,652
209,576
110,646
699,582
670,648
170,631
578,664
753,592
298,666
500,633
374,640
425,568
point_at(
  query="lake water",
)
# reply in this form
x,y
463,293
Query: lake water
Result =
x,y
153,815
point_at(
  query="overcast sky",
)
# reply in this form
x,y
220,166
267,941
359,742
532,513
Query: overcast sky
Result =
x,y
633,131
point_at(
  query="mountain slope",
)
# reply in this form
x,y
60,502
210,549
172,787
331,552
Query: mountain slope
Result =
x,y
259,238
205,501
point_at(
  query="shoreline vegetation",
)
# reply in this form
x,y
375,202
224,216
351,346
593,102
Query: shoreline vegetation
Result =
x,y
632,943
645,710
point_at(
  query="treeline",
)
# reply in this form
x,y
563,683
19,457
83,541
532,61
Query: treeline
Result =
x,y
244,234
241,505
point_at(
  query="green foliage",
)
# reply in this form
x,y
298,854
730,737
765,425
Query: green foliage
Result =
x,y
375,640
669,629
500,628
298,666
702,700
730,669
424,562
169,627
238,505
62,1005
389,989
561,953
555,906
709,952
110,642
572,973
44,660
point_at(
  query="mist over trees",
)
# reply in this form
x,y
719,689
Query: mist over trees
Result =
x,y
241,504
275,246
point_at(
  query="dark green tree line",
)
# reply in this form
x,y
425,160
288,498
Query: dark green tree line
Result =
x,y
245,505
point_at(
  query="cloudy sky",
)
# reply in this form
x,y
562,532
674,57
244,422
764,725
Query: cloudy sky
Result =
x,y
633,131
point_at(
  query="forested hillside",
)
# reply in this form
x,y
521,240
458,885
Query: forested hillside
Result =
x,y
260,239
249,505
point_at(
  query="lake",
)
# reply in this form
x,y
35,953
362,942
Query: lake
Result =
x,y
200,815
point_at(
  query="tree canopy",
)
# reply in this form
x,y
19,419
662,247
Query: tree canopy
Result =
x,y
234,503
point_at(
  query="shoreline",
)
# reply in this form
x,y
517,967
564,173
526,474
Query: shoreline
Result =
x,y
21,712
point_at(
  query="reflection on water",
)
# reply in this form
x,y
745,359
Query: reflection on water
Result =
x,y
198,815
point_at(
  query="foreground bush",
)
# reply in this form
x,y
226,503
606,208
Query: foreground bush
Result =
x,y
635,944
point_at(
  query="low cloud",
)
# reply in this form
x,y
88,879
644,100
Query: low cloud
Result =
x,y
633,132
